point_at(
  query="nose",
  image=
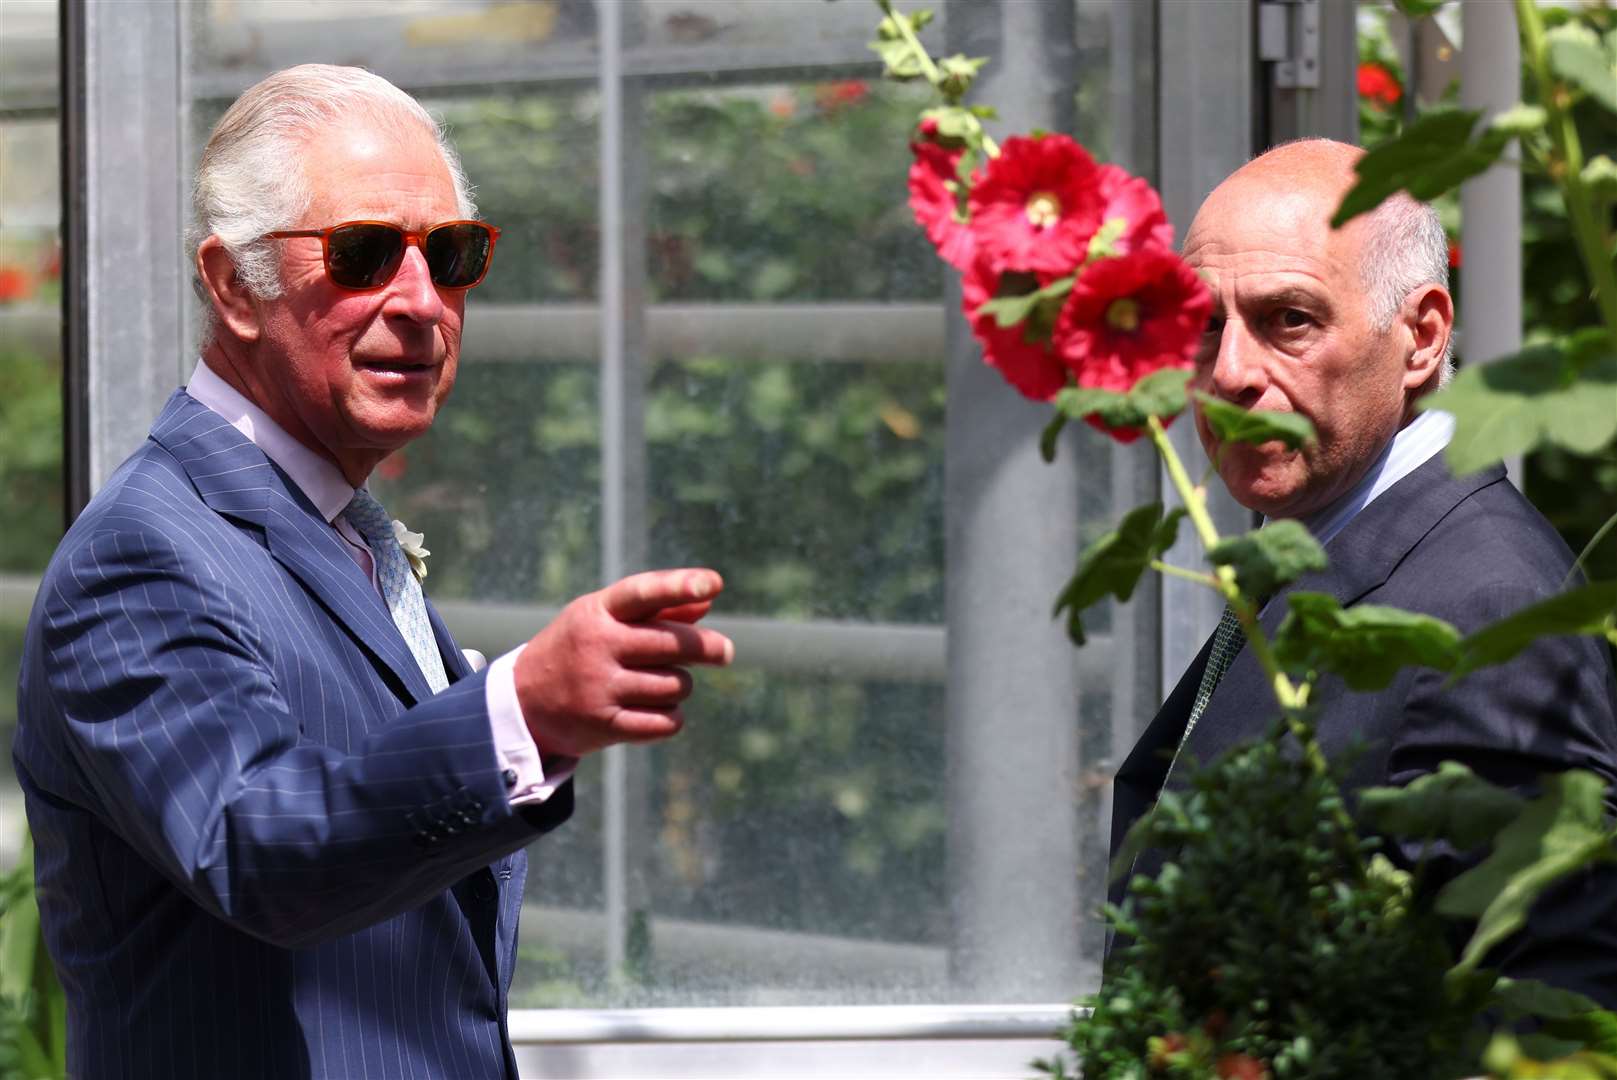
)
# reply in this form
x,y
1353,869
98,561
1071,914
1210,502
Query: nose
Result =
x,y
1238,375
411,293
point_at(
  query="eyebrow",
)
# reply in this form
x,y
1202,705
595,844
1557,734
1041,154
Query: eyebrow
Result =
x,y
1288,294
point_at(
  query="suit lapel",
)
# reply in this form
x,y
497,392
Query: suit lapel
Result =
x,y
235,478
455,665
1362,558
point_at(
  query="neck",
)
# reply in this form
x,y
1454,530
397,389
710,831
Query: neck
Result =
x,y
234,364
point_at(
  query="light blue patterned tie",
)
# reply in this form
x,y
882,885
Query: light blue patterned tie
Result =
x,y
399,587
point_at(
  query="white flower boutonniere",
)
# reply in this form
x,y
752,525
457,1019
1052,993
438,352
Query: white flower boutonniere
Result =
x,y
411,543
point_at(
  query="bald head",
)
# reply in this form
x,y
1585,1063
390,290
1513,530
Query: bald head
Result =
x,y
1344,326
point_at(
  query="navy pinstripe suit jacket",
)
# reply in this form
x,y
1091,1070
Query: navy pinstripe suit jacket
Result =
x,y
263,847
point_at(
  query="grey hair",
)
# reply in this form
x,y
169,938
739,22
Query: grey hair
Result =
x,y
248,182
1405,248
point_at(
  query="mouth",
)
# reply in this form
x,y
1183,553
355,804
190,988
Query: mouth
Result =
x,y
397,370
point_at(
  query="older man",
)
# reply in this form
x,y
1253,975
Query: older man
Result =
x,y
1350,328
278,819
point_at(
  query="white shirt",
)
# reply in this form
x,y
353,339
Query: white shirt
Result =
x,y
1413,446
324,485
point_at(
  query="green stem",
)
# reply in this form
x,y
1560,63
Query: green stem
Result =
x,y
928,68
1588,549
1586,230
1195,501
1189,575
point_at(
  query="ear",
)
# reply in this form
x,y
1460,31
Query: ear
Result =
x,y
1429,316
232,303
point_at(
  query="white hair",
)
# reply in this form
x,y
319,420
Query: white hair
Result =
x,y
248,182
1405,248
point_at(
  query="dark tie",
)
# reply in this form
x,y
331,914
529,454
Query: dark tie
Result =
x,y
1227,643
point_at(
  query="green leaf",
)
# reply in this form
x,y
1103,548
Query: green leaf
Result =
x,y
1529,997
1038,308
1452,804
1112,565
1231,423
1267,558
1576,55
1366,644
19,936
1595,1029
1600,175
1103,244
899,61
1557,834
1589,609
1520,120
1160,394
1418,9
1562,394
1432,155
956,126
1052,432
959,72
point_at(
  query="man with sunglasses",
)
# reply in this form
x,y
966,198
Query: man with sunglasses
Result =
x,y
279,820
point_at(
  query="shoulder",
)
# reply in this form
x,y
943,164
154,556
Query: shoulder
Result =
x,y
145,526
1489,555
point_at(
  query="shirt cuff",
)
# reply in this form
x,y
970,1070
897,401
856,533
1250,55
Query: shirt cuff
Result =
x,y
529,777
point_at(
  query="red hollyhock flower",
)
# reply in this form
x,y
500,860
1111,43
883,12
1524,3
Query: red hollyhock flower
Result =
x,y
1136,202
1379,86
14,284
1032,367
933,185
1036,205
1456,255
1131,316
832,96
1241,1067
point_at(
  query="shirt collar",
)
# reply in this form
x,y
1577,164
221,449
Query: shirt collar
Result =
x,y
1411,447
319,480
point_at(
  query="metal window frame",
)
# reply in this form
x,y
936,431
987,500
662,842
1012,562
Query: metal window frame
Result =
x,y
123,59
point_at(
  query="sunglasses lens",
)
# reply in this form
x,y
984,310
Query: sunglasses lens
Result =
x,y
364,256
457,255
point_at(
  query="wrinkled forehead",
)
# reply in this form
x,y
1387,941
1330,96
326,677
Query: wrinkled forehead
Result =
x,y
1259,227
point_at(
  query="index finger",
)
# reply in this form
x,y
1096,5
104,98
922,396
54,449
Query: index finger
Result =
x,y
641,596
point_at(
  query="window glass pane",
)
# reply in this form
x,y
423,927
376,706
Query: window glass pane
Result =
x,y
783,322
31,483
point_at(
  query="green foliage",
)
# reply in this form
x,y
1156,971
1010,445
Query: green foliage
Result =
x,y
1452,804
1268,930
30,458
1037,307
1113,564
895,44
1558,833
1590,609
1231,423
1578,55
1433,155
1509,1056
33,1009
1266,559
1366,645
1562,394
1416,9
1160,394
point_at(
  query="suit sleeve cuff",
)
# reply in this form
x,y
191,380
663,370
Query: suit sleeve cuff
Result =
x,y
529,777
